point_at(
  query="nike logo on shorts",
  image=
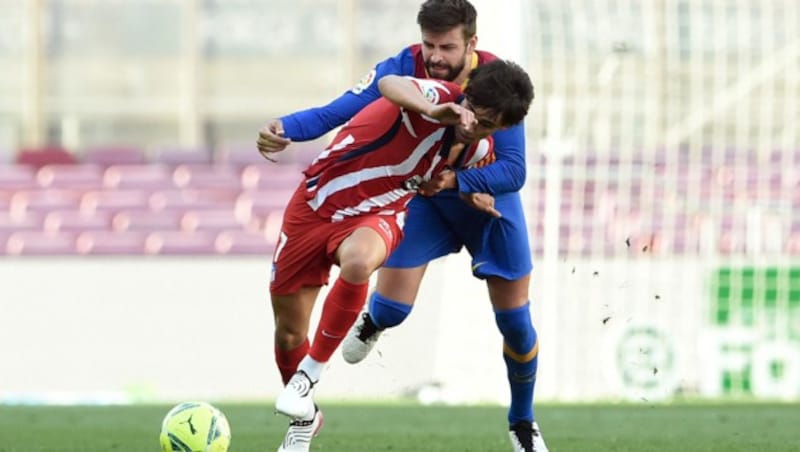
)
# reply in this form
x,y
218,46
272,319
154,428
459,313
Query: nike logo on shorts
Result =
x,y
478,264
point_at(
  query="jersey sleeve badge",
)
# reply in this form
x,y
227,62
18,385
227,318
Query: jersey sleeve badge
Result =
x,y
364,82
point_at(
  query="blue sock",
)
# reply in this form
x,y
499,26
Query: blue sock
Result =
x,y
520,351
385,312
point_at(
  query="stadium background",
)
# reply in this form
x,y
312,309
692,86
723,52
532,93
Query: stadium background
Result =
x,y
663,199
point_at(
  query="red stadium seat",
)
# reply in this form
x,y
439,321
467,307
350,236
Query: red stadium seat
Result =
x,y
17,177
245,242
271,177
174,156
39,243
149,177
77,221
216,220
45,200
261,204
240,155
83,177
114,200
111,243
115,155
148,221
205,176
11,222
180,243
38,157
192,199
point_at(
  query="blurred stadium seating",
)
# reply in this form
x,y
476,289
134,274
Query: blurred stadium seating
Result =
x,y
116,203
634,151
664,205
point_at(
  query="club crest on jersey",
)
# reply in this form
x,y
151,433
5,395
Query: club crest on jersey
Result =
x,y
364,82
413,183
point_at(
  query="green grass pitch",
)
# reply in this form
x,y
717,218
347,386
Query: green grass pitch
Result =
x,y
403,427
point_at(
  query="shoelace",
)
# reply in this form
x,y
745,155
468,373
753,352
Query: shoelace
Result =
x,y
525,432
368,329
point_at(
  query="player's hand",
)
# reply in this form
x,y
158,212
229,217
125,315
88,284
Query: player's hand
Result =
x,y
271,139
442,181
452,114
481,201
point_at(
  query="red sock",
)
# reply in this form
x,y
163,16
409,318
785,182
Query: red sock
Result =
x,y
288,360
339,312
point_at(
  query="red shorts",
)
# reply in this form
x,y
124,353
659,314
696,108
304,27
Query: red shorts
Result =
x,y
308,243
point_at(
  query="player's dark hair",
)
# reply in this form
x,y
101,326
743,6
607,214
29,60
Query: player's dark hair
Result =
x,y
503,87
440,16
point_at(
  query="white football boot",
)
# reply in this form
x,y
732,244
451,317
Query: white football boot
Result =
x,y
301,432
526,437
360,339
296,400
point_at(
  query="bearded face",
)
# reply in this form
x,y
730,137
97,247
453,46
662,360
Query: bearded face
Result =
x,y
446,54
443,70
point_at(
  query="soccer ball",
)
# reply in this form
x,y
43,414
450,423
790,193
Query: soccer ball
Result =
x,y
195,427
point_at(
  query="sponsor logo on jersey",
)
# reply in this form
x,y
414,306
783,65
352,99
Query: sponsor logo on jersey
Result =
x,y
364,82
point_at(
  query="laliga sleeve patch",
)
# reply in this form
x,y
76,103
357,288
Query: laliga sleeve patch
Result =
x,y
430,89
431,95
364,82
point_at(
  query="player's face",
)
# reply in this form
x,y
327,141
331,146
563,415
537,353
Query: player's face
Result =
x,y
486,124
446,54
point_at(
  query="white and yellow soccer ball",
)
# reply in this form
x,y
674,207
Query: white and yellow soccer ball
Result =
x,y
195,427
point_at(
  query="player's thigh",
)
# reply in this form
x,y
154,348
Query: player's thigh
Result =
x,y
400,284
426,236
361,253
301,257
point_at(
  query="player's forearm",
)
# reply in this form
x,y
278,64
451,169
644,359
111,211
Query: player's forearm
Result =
x,y
498,178
507,173
402,92
315,122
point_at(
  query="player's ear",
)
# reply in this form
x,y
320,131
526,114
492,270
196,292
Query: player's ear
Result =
x,y
472,43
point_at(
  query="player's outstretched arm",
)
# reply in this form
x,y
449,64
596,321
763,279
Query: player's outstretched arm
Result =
x,y
406,93
314,122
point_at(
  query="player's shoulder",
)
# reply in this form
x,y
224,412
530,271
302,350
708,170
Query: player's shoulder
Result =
x,y
485,56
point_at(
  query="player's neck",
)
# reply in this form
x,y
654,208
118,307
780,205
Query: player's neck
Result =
x,y
455,151
461,79
463,76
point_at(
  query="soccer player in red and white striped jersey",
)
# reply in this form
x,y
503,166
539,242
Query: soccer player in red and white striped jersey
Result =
x,y
349,209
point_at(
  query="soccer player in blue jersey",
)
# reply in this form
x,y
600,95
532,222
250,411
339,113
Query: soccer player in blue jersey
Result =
x,y
444,223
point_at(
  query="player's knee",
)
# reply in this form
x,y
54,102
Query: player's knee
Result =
x,y
517,329
356,269
387,313
288,338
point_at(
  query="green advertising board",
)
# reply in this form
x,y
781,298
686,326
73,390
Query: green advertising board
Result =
x,y
757,312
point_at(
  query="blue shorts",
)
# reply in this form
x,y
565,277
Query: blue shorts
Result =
x,y
442,224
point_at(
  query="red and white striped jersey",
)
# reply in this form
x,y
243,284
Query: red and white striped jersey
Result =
x,y
378,159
